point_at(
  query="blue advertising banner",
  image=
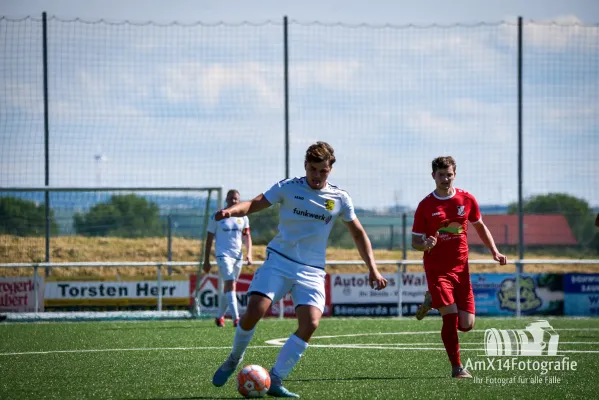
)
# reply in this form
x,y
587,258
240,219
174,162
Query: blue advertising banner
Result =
x,y
582,294
540,294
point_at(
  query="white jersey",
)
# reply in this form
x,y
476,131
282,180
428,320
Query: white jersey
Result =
x,y
306,219
227,233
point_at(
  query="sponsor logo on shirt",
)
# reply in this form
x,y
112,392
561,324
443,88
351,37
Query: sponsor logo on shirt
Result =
x,y
298,197
306,213
461,211
436,213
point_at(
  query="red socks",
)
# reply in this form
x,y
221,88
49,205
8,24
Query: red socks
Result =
x,y
449,334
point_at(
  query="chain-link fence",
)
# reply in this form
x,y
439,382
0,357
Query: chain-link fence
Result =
x,y
87,104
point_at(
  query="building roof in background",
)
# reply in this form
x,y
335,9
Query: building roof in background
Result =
x,y
539,230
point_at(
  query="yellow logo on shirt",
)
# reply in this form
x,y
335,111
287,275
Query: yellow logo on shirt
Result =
x,y
239,221
329,204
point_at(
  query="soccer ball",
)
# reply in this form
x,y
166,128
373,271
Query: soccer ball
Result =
x,y
253,381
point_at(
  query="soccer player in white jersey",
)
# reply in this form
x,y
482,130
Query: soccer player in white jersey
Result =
x,y
295,260
229,233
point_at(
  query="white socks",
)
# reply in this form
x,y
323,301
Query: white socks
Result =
x,y
222,305
232,302
229,300
241,342
289,355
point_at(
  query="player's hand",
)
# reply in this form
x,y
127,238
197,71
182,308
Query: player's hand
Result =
x,y
430,241
222,214
377,282
206,267
249,260
501,258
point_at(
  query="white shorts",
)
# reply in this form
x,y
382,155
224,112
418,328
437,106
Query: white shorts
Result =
x,y
229,268
278,275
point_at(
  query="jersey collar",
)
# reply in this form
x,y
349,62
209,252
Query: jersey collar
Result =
x,y
446,197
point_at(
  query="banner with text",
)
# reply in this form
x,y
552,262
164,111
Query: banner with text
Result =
x,y
138,293
209,299
351,295
540,294
18,294
582,294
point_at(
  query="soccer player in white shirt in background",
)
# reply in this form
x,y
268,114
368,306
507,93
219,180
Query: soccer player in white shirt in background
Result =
x,y
229,233
295,260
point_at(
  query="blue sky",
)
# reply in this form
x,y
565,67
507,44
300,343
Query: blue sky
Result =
x,y
202,105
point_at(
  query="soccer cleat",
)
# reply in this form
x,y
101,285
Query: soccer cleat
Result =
x,y
220,322
460,373
280,391
424,307
236,322
224,372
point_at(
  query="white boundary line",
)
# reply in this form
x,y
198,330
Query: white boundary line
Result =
x,y
275,343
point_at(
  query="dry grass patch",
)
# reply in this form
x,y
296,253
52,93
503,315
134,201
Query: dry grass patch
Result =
x,y
78,249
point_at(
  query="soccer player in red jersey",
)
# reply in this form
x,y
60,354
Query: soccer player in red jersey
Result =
x,y
440,231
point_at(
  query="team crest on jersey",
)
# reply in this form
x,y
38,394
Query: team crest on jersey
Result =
x,y
461,211
329,204
239,221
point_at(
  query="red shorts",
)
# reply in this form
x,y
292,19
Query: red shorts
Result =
x,y
447,288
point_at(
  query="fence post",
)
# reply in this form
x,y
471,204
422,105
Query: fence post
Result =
x,y
46,135
286,117
36,300
400,273
520,175
404,223
518,273
391,238
159,285
169,245
520,148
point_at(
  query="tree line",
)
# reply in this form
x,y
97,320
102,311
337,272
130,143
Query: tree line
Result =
x,y
133,216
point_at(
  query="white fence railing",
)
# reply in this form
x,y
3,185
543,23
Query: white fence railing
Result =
x,y
401,269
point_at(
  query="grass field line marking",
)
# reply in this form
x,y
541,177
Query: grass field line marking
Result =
x,y
132,349
441,344
281,341
353,346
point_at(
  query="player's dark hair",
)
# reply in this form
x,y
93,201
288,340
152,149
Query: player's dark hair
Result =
x,y
443,163
319,152
232,191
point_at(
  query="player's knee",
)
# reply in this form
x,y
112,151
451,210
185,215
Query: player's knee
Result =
x,y
308,327
465,328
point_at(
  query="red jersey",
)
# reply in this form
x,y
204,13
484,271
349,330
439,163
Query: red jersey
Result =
x,y
449,216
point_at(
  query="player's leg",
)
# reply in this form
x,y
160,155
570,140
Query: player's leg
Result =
x,y
425,307
268,283
257,306
464,296
308,295
224,273
441,288
449,335
464,302
230,289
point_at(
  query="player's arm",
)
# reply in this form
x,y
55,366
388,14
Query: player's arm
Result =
x,y
244,208
420,241
247,241
207,249
364,247
486,237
